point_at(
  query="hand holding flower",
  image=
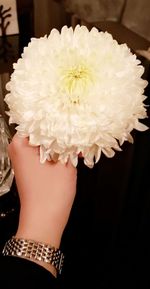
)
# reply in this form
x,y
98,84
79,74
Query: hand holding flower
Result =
x,y
46,193
77,92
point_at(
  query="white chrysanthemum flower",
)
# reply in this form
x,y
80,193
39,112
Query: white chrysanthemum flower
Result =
x,y
77,92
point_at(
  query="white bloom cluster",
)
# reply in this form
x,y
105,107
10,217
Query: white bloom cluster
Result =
x,y
77,92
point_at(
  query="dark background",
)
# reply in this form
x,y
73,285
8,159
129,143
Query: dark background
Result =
x,y
106,241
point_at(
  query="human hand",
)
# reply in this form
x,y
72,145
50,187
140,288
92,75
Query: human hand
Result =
x,y
46,193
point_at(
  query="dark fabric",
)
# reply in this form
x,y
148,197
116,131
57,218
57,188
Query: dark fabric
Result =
x,y
107,240
18,273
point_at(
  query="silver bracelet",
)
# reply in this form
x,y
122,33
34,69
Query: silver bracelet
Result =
x,y
35,251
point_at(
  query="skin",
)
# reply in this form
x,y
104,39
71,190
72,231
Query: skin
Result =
x,y
46,193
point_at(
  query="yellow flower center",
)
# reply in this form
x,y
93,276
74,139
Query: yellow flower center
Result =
x,y
76,81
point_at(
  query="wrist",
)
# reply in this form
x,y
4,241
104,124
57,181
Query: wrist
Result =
x,y
39,227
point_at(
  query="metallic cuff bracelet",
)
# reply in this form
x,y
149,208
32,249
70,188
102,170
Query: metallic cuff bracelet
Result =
x,y
35,251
